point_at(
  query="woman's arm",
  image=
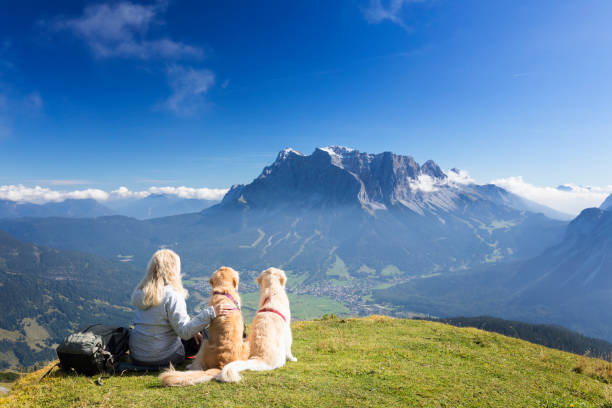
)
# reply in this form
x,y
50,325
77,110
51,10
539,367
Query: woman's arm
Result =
x,y
182,325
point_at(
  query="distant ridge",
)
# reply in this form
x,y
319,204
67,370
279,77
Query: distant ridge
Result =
x,y
159,205
70,208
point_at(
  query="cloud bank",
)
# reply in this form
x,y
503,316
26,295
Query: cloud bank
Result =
x,y
568,198
42,195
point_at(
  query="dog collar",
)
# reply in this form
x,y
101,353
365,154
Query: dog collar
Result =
x,y
227,295
267,309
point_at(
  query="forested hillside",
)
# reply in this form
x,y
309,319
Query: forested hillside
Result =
x,y
45,293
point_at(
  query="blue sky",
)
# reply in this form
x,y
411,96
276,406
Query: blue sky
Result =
x,y
204,94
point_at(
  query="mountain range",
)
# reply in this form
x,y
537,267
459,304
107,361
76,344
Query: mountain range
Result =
x,y
335,213
158,205
152,206
377,232
68,208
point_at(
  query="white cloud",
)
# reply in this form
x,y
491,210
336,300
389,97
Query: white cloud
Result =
x,y
568,198
189,192
42,195
459,177
123,192
189,87
428,184
377,11
425,183
128,30
123,30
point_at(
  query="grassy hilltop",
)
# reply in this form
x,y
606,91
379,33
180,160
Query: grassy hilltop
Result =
x,y
369,362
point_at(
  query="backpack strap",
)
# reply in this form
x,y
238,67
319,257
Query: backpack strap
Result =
x,y
49,370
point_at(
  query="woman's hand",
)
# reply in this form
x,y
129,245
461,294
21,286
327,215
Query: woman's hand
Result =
x,y
222,309
198,338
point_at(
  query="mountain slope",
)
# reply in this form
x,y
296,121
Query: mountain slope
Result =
x,y
607,204
581,262
45,293
70,208
568,284
364,362
573,280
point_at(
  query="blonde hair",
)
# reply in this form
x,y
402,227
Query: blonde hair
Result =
x,y
164,269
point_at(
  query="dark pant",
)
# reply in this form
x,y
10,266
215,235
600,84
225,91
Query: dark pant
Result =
x,y
190,346
175,359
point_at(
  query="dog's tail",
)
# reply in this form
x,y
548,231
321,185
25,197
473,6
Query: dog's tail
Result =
x,y
173,378
231,372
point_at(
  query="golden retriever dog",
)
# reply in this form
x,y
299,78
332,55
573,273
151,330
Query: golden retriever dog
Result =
x,y
225,343
270,338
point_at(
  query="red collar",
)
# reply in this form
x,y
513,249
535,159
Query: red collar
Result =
x,y
267,309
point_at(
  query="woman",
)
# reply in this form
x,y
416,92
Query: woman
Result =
x,y
161,318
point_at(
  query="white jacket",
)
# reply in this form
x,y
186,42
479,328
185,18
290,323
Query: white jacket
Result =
x,y
158,330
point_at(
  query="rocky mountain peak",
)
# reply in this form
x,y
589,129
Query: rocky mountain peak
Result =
x,y
336,175
433,170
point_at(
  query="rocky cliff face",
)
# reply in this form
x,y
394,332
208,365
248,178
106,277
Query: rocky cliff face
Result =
x,y
341,176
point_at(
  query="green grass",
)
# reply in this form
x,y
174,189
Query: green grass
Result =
x,y
338,269
366,269
303,307
372,362
295,280
390,270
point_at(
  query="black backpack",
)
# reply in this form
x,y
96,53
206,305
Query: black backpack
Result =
x,y
94,350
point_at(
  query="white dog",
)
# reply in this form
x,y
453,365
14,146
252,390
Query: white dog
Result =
x,y
270,338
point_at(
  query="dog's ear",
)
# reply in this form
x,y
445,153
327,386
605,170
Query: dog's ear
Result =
x,y
259,280
210,281
282,278
235,281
